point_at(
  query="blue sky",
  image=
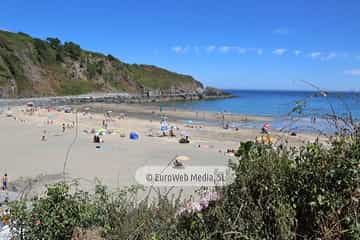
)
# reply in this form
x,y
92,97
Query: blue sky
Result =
x,y
230,44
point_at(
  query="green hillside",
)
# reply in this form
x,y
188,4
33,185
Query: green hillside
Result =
x,y
35,67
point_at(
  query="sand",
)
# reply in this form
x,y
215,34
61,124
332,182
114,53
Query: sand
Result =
x,y
25,155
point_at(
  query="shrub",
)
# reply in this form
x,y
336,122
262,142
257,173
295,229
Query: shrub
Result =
x,y
46,55
52,217
75,87
72,49
310,192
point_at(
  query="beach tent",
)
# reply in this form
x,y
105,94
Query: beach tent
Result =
x,y
134,136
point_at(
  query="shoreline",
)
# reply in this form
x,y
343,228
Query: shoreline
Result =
x,y
148,111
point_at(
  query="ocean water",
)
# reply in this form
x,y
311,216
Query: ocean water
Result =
x,y
280,106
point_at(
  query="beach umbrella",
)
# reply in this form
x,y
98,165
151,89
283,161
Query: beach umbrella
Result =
x,y
267,126
182,158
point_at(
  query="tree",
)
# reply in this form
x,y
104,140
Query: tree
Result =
x,y
54,42
72,49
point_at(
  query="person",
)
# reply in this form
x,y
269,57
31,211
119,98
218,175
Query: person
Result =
x,y
43,138
5,182
63,127
264,130
172,134
96,139
184,140
177,164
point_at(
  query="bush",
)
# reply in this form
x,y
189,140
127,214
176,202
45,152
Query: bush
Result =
x,y
15,67
73,50
45,53
279,193
52,217
75,87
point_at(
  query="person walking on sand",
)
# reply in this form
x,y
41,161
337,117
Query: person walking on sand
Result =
x,y
63,127
5,182
43,138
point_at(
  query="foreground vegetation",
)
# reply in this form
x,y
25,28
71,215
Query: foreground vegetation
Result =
x,y
279,192
35,67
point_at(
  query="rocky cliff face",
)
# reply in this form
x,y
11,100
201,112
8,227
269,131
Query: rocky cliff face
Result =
x,y
34,67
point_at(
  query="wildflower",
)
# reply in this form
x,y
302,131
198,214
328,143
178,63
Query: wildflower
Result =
x,y
182,212
204,202
196,207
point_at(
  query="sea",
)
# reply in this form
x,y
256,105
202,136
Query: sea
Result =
x,y
290,110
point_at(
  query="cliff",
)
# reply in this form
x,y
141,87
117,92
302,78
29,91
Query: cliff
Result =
x,y
32,67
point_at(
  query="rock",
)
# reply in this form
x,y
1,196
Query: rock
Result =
x,y
87,234
214,92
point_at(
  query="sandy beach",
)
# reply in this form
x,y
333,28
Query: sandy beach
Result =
x,y
24,155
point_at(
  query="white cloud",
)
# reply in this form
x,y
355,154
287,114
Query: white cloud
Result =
x,y
240,50
211,48
227,49
279,51
329,56
233,49
352,72
281,31
315,54
224,49
180,49
177,49
297,52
